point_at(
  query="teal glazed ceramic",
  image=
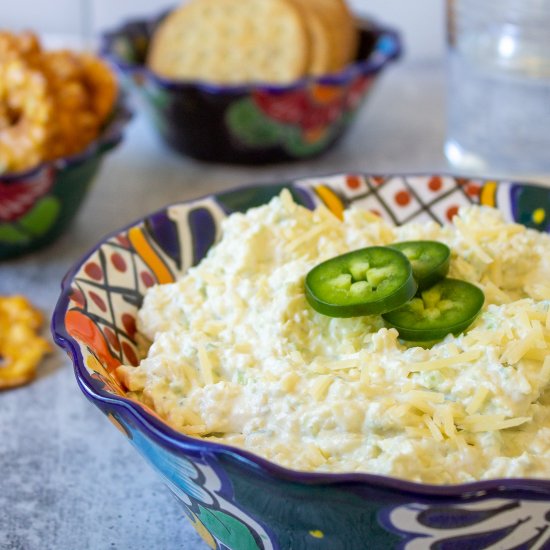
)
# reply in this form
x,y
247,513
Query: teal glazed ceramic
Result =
x,y
257,123
235,499
36,206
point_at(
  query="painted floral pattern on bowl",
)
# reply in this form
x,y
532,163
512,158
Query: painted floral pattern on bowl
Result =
x,y
27,209
302,121
234,498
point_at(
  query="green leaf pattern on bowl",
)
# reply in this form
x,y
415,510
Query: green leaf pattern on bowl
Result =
x,y
35,223
249,124
226,529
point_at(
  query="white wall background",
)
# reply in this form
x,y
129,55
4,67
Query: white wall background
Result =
x,y
421,22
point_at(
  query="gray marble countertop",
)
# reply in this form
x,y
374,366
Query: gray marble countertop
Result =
x,y
68,480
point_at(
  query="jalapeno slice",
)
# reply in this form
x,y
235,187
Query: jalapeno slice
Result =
x,y
430,260
370,280
448,307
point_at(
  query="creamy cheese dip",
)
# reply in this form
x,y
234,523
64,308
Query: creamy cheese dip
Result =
x,y
239,357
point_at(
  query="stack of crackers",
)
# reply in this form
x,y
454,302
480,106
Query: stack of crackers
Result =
x,y
240,41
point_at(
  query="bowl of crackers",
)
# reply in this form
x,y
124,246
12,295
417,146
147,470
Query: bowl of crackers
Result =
x,y
252,81
60,112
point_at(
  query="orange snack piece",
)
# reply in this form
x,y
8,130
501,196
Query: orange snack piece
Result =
x,y
52,103
21,348
76,123
101,83
24,45
26,115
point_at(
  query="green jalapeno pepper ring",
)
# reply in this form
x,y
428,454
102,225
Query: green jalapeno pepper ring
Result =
x,y
430,260
448,307
367,281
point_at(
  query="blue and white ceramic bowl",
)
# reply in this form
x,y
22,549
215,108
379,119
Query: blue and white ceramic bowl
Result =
x,y
234,498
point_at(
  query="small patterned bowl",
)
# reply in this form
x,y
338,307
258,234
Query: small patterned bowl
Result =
x,y
36,206
257,123
234,498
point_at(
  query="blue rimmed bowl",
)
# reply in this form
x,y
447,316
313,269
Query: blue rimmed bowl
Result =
x,y
234,498
37,206
256,123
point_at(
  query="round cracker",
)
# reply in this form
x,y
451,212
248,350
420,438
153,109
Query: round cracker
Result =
x,y
232,41
344,34
319,39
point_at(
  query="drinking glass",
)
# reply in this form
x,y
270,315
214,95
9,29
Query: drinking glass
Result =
x,y
498,109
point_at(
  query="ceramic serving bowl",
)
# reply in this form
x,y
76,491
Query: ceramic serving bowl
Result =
x,y
37,205
257,123
234,498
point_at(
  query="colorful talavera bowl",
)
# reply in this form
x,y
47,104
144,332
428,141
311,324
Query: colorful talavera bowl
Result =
x,y
36,206
234,498
256,123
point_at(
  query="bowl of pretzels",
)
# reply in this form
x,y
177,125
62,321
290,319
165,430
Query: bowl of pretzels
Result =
x,y
252,81
60,112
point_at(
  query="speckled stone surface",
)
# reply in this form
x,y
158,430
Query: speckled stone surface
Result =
x,y
68,479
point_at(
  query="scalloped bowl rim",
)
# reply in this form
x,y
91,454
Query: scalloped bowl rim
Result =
x,y
376,60
162,433
110,135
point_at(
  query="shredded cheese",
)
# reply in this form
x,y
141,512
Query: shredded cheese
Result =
x,y
444,362
423,400
320,386
469,237
420,433
289,381
516,349
195,430
188,372
545,371
490,422
345,364
477,400
315,455
205,365
444,420
434,430
309,235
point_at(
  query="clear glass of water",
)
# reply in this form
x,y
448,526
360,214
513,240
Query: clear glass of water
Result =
x,y
498,111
